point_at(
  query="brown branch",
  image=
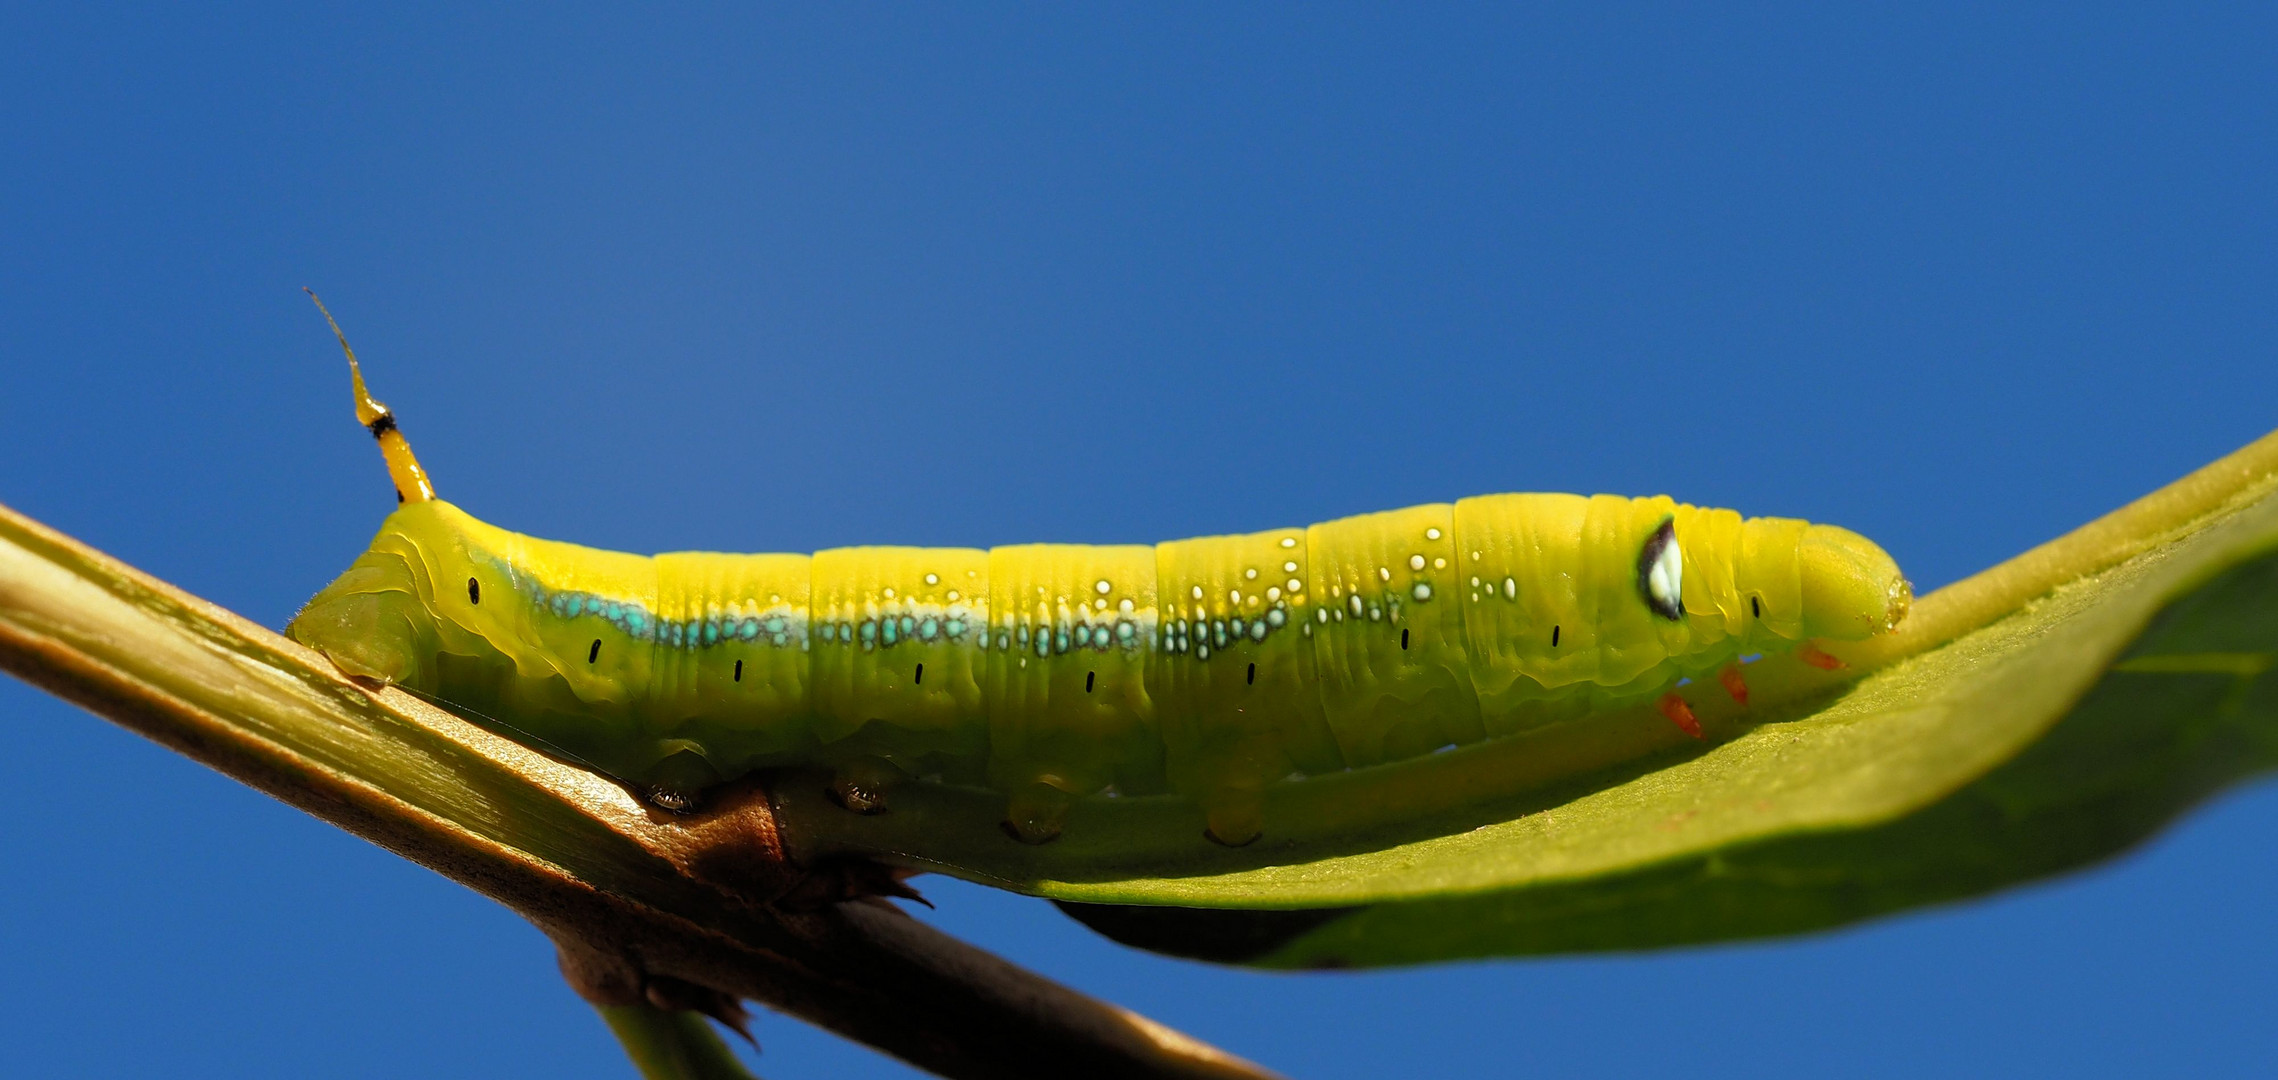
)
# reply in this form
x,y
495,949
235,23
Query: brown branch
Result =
x,y
642,902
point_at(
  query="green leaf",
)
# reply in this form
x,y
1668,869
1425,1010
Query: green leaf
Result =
x,y
2043,715
2189,709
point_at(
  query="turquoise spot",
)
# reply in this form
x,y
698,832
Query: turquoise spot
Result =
x,y
845,632
711,633
781,640
1275,618
908,624
1060,642
1124,632
609,611
928,630
637,622
1235,626
1023,635
1257,631
774,625
869,632
956,628
749,628
889,632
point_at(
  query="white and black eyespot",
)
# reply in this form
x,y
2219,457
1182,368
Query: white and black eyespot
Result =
x,y
1661,572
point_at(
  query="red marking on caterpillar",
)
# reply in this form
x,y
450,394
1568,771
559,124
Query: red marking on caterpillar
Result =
x,y
1680,714
1811,654
1734,684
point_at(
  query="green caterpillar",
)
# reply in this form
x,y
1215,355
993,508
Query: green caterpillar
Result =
x,y
1212,667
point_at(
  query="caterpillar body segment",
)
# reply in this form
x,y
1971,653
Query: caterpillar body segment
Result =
x,y
897,677
1394,675
1061,730
1213,667
1234,692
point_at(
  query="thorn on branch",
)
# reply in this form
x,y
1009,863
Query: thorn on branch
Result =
x,y
606,979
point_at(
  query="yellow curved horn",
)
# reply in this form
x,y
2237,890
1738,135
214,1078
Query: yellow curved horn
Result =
x,y
411,484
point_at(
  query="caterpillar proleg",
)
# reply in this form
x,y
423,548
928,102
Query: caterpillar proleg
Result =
x,y
1212,667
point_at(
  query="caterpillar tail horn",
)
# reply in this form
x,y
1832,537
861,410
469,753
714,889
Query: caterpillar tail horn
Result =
x,y
411,483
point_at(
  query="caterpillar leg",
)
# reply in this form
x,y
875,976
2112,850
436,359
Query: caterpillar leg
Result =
x,y
1036,813
1680,714
1236,818
861,785
1734,684
678,782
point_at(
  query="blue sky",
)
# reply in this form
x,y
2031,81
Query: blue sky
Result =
x,y
698,278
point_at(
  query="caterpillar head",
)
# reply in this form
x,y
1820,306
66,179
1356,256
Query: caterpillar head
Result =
x,y
409,601
411,610
375,621
1851,587
444,604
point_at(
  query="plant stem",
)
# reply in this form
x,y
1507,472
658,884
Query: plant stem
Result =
x,y
649,898
672,1045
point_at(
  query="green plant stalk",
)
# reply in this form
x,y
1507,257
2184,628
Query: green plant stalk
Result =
x,y
671,1044
644,897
